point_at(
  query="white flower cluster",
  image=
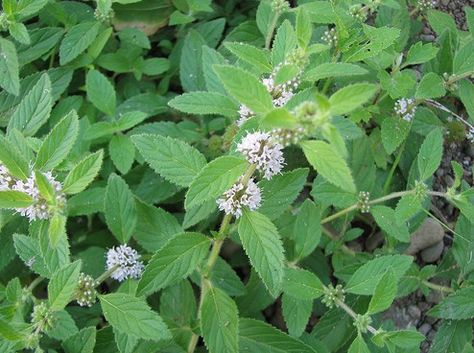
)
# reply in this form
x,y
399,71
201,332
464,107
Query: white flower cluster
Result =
x,y
330,37
424,5
287,137
470,135
85,292
364,201
259,149
127,261
405,108
239,195
281,94
5,178
39,209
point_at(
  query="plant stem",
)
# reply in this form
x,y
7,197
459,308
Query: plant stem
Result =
x,y
339,214
107,274
331,236
388,181
34,283
268,39
352,313
438,287
192,343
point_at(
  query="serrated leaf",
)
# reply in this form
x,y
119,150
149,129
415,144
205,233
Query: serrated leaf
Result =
x,y
296,313
63,285
215,178
100,92
430,86
190,70
329,164
457,306
464,59
307,229
175,261
19,31
204,103
256,57
420,53
133,316
122,152
262,243
430,154
57,229
173,159
351,97
452,336
57,144
81,342
304,28
13,160
387,220
384,293
327,70
9,68
34,109
394,131
83,173
302,284
14,199
120,209
280,192
257,337
407,207
365,279
358,346
219,322
78,38
246,88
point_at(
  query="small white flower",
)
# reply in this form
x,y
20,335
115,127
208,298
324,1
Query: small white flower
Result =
x,y
330,37
237,196
405,109
39,209
5,178
470,135
127,260
245,113
259,149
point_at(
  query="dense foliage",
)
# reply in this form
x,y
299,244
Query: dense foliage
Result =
x,y
169,169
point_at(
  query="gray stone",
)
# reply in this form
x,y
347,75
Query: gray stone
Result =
x,y
424,329
433,253
428,234
374,241
414,312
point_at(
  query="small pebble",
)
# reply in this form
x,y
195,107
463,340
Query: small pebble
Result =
x,y
424,329
433,253
414,312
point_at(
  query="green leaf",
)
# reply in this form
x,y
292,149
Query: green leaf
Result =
x,y
307,229
351,97
133,316
304,28
457,306
358,346
387,220
246,88
280,192
81,342
62,286
296,313
394,131
258,337
190,69
402,338
219,322
430,154
464,59
173,159
14,199
452,336
284,42
262,243
329,164
203,103
257,58
302,284
100,92
175,261
13,160
431,86
122,152
407,207
57,144
178,303
130,119
34,109
19,31
120,209
83,173
78,38
330,70
420,53
384,293
365,279
215,178
9,68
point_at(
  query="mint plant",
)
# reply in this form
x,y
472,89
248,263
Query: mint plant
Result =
x,y
223,177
